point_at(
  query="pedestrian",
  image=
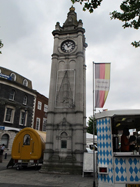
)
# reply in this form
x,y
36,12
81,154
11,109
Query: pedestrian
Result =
x,y
125,140
0,153
2,147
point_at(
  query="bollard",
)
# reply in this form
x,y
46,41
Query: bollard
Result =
x,y
5,156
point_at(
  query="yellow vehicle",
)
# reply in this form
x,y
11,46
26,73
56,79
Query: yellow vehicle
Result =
x,y
28,147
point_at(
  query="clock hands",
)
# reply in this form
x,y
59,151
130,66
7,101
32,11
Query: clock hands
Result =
x,y
67,46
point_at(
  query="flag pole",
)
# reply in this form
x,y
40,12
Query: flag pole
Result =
x,y
93,134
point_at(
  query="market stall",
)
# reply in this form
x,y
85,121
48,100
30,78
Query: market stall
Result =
x,y
118,148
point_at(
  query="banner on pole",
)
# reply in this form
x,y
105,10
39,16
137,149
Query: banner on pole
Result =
x,y
102,83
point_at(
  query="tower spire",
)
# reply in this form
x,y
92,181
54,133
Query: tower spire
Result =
x,y
71,18
72,8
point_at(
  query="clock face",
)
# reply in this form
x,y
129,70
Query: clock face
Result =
x,y
67,46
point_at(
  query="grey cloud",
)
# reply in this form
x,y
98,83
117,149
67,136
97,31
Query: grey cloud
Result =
x,y
26,31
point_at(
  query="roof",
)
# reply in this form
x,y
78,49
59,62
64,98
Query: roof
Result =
x,y
7,74
89,138
121,119
88,135
113,113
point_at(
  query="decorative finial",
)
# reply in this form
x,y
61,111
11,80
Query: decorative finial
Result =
x,y
72,8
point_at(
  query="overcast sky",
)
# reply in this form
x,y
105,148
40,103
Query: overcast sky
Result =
x,y
26,30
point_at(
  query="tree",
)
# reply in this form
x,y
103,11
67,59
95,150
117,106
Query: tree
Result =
x,y
90,126
89,4
1,45
130,13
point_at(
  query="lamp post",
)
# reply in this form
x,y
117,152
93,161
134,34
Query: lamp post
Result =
x,y
93,134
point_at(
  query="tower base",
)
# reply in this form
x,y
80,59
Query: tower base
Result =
x,y
61,169
57,164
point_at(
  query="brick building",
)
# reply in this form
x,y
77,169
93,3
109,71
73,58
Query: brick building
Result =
x,y
17,105
20,106
41,109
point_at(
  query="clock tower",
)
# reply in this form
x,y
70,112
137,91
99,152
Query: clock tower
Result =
x,y
66,121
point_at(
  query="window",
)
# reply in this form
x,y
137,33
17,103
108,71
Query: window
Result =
x,y
25,82
45,108
39,105
37,124
13,76
25,100
12,95
126,133
26,139
9,114
63,144
44,124
63,140
5,140
23,118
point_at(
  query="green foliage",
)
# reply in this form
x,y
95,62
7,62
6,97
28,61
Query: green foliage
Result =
x,y
136,44
89,5
130,13
1,45
90,126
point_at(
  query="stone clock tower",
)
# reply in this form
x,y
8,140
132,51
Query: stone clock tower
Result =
x,y
66,121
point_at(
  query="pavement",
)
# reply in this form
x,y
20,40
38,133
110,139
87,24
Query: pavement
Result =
x,y
32,177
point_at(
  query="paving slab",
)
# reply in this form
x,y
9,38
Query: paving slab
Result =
x,y
31,177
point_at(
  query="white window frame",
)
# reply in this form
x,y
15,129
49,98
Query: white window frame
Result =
x,y
45,108
21,111
12,95
37,126
12,114
25,82
25,100
44,124
13,76
39,105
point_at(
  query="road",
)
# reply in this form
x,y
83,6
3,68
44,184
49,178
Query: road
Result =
x,y
32,177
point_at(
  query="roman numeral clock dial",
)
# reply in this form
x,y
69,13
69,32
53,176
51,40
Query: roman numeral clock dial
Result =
x,y
67,46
